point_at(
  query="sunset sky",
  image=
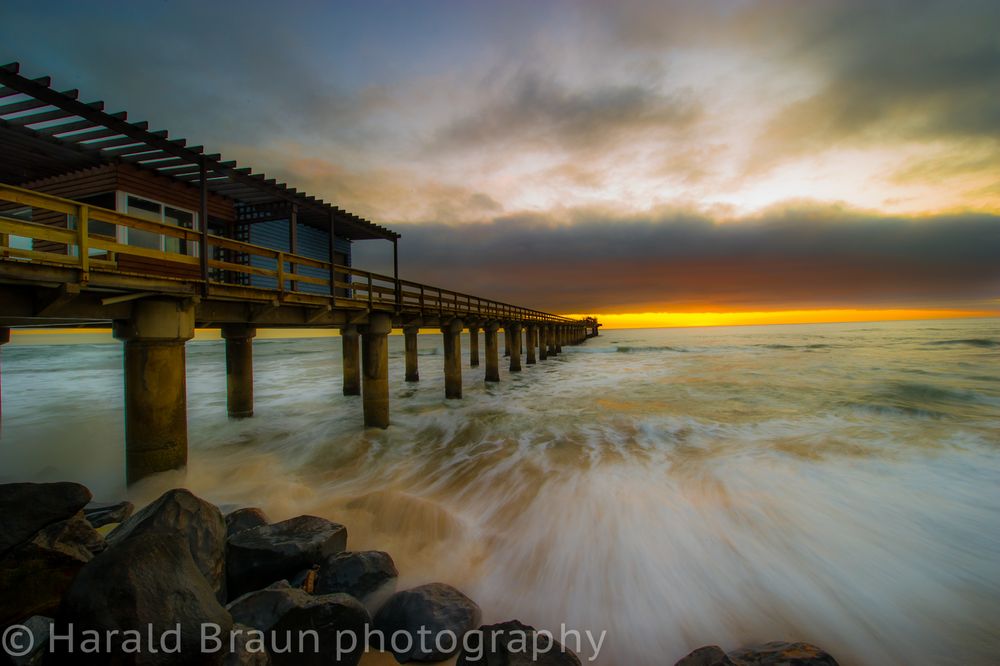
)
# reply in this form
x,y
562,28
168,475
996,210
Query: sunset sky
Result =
x,y
689,162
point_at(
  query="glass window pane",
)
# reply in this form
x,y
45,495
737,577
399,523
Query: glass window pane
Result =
x,y
145,210
177,218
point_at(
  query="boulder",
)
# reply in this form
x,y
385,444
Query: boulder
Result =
x,y
39,627
516,644
148,583
198,523
357,574
339,622
28,507
429,610
779,653
261,609
262,555
35,574
100,514
249,649
709,655
244,519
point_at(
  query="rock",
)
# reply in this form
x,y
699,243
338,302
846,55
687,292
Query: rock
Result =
x,y
100,514
200,524
778,653
357,574
26,508
336,619
149,583
434,608
35,574
261,609
709,655
516,645
244,519
39,627
250,649
261,555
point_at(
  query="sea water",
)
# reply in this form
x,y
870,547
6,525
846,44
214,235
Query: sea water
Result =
x,y
838,484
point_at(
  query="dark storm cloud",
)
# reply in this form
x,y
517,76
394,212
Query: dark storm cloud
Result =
x,y
887,70
805,257
535,107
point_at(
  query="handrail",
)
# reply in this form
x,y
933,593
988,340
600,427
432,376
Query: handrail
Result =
x,y
316,277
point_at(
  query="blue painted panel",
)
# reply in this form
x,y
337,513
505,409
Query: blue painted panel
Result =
x,y
312,243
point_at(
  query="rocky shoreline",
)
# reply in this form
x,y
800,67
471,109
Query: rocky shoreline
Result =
x,y
179,582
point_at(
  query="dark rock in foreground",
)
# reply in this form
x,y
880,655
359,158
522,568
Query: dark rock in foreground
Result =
x,y
515,646
35,574
262,555
244,519
333,617
358,574
710,655
778,653
147,583
433,608
99,514
26,508
179,514
246,652
261,609
40,628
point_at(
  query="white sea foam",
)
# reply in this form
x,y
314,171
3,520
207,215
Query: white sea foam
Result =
x,y
836,484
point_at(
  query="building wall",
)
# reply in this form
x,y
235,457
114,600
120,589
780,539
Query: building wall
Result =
x,y
312,243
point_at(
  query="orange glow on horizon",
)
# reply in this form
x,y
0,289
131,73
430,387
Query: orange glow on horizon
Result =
x,y
758,318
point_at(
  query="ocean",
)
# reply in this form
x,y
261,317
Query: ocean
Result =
x,y
836,483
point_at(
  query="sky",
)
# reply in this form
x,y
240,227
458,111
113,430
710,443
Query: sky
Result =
x,y
650,162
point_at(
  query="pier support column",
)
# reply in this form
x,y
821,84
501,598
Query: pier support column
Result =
x,y
239,369
155,386
551,339
4,339
542,331
560,334
351,360
529,341
410,346
492,352
506,340
514,331
452,332
473,346
375,370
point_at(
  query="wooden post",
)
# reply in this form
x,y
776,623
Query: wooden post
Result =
x,y
375,369
83,241
492,352
239,369
529,342
333,256
410,345
473,345
397,291
452,338
4,339
514,330
350,360
293,241
203,220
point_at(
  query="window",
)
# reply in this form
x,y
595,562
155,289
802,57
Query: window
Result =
x,y
155,211
19,242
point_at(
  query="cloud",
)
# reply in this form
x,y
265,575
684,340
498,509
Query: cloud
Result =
x,y
801,257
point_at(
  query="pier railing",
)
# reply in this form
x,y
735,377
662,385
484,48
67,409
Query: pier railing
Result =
x,y
93,240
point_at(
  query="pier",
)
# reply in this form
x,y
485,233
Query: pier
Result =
x,y
102,220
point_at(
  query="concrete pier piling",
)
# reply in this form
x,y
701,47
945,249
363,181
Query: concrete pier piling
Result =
x,y
155,385
351,360
4,339
410,348
452,337
473,345
551,336
560,331
506,342
543,354
492,352
529,342
239,369
514,330
375,370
